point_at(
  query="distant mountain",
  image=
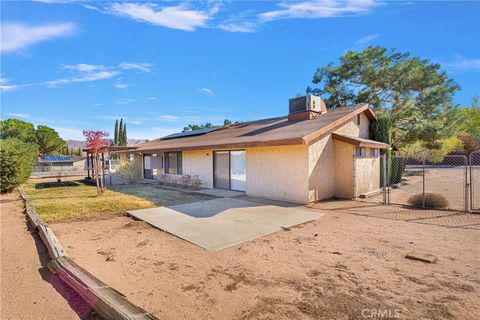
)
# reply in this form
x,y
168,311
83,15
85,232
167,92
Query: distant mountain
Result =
x,y
74,144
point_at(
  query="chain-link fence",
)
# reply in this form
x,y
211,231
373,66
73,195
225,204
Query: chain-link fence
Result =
x,y
474,182
449,183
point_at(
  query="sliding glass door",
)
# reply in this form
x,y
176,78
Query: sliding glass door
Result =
x,y
229,170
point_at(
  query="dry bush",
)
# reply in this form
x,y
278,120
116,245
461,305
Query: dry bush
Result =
x,y
196,181
185,180
432,200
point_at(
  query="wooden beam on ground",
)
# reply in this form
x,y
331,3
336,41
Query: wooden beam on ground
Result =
x,y
106,301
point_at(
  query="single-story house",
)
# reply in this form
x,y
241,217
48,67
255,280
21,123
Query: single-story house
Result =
x,y
305,156
59,163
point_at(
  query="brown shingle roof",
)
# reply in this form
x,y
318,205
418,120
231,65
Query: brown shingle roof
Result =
x,y
266,132
359,142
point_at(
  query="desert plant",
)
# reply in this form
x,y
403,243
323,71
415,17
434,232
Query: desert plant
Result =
x,y
16,162
130,171
185,180
429,200
196,181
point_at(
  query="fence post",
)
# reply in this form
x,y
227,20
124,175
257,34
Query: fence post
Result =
x,y
423,182
354,180
384,169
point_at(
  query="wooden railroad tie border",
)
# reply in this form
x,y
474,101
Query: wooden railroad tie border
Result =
x,y
109,303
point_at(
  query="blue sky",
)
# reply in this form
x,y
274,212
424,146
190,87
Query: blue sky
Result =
x,y
161,65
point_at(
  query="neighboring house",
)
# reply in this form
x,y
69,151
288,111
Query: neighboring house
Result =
x,y
54,165
303,157
60,163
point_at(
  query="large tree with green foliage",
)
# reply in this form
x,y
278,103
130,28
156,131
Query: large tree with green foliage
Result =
x,y
16,162
414,92
18,129
48,140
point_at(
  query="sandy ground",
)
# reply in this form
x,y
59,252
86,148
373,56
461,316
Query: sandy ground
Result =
x,y
28,289
349,264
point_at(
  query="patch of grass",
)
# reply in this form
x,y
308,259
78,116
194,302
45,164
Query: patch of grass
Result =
x,y
79,201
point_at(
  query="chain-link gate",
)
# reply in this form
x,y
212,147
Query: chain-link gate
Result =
x,y
474,162
449,183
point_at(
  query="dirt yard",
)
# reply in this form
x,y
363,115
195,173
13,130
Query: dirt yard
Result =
x,y
28,289
349,264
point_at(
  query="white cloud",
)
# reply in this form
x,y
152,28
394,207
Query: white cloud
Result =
x,y
169,117
121,85
207,91
16,36
4,86
144,66
241,26
175,17
319,9
365,40
125,101
98,104
463,64
83,67
91,76
135,122
19,115
151,98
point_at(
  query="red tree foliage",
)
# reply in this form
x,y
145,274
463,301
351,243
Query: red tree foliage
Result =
x,y
96,145
95,140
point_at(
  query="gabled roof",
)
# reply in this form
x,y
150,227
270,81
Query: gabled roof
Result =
x,y
266,132
359,142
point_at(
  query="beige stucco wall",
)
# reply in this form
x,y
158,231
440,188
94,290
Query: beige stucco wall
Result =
x,y
367,173
352,129
199,162
330,162
278,172
321,169
343,169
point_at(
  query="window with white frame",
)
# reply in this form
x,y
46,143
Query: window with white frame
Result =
x,y
360,152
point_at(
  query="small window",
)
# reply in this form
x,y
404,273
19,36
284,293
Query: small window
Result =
x,y
358,119
361,152
374,152
173,162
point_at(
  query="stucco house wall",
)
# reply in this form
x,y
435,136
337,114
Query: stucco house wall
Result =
x,y
199,162
367,174
278,172
328,167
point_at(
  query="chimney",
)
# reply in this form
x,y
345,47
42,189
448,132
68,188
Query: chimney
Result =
x,y
305,108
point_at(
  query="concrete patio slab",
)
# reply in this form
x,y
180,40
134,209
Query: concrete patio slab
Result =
x,y
221,193
221,223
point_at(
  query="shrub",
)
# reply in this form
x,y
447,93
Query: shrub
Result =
x,y
16,162
185,180
196,182
432,200
130,171
397,169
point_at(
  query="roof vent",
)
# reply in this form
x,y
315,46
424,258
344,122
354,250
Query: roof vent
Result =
x,y
305,107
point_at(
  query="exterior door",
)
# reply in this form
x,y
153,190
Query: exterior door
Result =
x,y
147,166
229,170
221,169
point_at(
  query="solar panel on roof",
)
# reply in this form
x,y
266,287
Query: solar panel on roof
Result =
x,y
190,133
57,158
